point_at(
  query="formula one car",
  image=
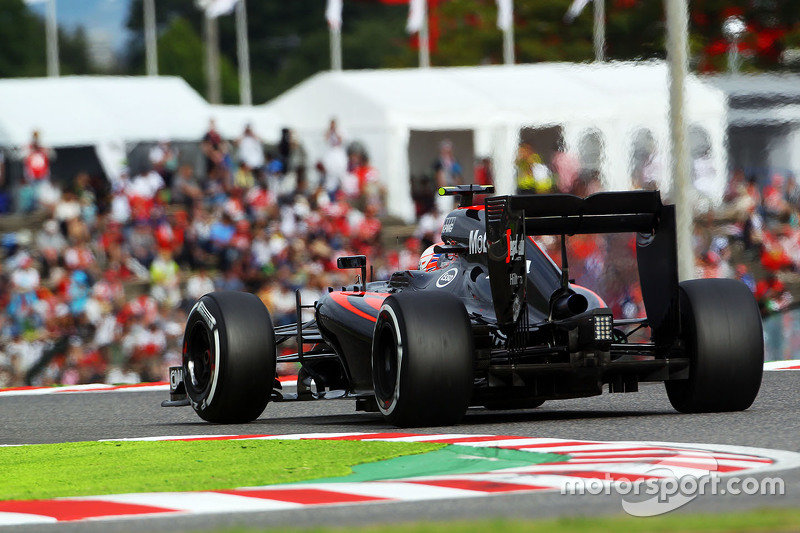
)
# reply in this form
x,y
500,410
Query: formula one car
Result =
x,y
488,320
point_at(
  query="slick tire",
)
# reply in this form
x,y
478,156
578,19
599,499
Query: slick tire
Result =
x,y
722,334
229,357
422,359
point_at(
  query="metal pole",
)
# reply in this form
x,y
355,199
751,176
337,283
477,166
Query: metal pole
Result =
x,y
212,60
508,40
677,56
733,56
424,43
600,30
51,31
336,47
150,41
243,53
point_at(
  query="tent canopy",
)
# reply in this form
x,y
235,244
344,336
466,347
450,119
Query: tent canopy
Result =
x,y
231,121
88,110
381,108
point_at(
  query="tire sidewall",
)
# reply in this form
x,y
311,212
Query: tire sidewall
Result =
x,y
726,356
388,323
433,356
238,331
206,316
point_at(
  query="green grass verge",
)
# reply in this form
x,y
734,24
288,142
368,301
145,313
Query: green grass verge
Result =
x,y
93,468
764,520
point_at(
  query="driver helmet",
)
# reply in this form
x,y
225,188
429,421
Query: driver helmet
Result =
x,y
430,261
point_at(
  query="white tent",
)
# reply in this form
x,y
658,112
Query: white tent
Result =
x,y
87,110
111,113
384,108
231,121
763,122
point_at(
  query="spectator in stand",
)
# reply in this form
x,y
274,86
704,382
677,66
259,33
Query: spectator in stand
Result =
x,y
364,180
566,167
704,177
36,170
446,172
334,163
186,190
141,243
774,198
25,282
526,158
285,149
198,284
143,193
68,210
51,242
251,149
165,279
244,177
214,151
164,160
120,210
772,295
740,198
792,195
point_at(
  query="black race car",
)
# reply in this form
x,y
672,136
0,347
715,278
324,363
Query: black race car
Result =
x,y
489,320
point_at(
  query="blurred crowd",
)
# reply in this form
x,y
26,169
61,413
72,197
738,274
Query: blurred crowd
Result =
x,y
100,290
753,235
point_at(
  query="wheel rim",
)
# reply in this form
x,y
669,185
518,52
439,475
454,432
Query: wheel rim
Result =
x,y
198,361
386,367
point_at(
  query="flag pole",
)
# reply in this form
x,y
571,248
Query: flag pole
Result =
x,y
677,57
336,47
424,39
333,14
508,46
51,31
508,35
150,41
600,30
212,59
243,52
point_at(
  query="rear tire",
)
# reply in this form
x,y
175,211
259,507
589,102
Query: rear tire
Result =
x,y
229,357
422,359
721,330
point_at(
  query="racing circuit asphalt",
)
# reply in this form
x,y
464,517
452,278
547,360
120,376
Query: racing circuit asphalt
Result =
x,y
772,422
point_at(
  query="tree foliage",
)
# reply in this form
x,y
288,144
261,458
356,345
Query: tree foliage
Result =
x,y
289,40
635,29
23,46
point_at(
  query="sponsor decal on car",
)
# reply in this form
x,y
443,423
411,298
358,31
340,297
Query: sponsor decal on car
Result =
x,y
210,320
477,242
446,278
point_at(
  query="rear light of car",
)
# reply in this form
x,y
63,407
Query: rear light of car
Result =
x,y
603,327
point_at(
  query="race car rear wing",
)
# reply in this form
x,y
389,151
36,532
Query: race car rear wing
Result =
x,y
510,218
604,212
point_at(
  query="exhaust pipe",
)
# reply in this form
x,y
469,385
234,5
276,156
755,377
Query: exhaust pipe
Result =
x,y
567,304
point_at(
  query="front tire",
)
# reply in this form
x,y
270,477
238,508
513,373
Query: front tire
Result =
x,y
722,333
229,357
422,359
